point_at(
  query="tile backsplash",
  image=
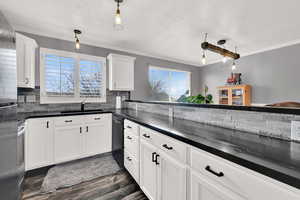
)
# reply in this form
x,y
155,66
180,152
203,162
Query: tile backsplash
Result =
x,y
261,123
29,101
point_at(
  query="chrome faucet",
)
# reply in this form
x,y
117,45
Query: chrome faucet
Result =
x,y
82,105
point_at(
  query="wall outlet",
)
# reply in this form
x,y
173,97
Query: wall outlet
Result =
x,y
295,130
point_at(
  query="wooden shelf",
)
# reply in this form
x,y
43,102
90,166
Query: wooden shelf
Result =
x,y
243,95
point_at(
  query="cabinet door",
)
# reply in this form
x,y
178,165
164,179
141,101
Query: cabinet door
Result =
x,y
121,72
39,143
148,170
172,178
26,52
202,188
68,143
98,138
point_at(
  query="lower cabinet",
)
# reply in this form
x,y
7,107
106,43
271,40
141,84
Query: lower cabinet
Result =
x,y
98,138
38,143
148,170
202,188
55,140
162,177
172,178
68,143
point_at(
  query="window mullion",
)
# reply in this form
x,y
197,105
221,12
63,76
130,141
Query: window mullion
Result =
x,y
77,79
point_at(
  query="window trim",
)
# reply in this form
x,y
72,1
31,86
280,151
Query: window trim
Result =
x,y
174,70
46,99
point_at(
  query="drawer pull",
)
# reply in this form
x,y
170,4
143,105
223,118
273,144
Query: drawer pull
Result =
x,y
128,126
80,130
220,174
167,147
129,138
146,136
156,159
97,118
68,121
129,159
47,125
153,157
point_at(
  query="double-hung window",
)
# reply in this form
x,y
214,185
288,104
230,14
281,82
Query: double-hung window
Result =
x,y
67,77
168,84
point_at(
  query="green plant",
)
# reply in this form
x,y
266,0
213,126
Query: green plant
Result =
x,y
199,99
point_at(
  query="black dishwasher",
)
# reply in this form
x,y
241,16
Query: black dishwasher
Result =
x,y
118,139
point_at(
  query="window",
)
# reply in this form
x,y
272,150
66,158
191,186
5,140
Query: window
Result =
x,y
68,77
168,84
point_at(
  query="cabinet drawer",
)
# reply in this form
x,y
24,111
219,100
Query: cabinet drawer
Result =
x,y
70,120
149,135
132,165
98,118
243,181
131,126
131,144
172,147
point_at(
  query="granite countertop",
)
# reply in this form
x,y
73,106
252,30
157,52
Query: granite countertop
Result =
x,y
272,157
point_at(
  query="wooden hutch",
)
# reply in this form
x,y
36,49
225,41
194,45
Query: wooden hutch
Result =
x,y
239,95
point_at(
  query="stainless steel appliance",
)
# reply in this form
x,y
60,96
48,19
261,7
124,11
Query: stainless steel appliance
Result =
x,y
118,139
11,149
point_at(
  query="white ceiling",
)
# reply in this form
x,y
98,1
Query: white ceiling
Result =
x,y
169,29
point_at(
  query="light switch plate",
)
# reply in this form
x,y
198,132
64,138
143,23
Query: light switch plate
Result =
x,y
295,130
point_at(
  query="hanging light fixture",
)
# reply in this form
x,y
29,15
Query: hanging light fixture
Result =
x,y
220,50
118,20
233,67
203,60
77,43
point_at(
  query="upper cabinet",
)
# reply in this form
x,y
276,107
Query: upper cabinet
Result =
x,y
26,51
121,72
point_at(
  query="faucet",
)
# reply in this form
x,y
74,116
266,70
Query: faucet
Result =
x,y
82,105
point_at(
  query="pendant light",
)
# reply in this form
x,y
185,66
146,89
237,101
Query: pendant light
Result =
x,y
118,20
233,67
77,43
203,60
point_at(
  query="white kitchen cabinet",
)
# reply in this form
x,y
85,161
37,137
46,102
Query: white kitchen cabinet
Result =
x,y
172,176
55,140
121,72
161,176
148,170
26,60
39,143
68,143
97,135
202,188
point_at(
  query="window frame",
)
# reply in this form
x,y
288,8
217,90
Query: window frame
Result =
x,y
173,70
48,99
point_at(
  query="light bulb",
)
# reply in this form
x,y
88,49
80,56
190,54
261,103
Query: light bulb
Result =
x,y
225,59
203,59
118,20
233,67
77,44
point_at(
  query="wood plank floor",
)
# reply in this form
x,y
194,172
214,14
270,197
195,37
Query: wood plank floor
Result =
x,y
119,186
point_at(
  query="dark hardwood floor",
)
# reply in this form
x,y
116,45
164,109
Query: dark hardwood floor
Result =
x,y
119,186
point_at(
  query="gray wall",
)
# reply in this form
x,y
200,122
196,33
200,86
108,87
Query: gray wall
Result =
x,y
141,65
274,75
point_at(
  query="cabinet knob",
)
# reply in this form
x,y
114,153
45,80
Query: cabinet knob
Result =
x,y
129,138
129,159
146,136
47,124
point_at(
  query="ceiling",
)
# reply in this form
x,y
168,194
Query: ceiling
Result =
x,y
168,29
